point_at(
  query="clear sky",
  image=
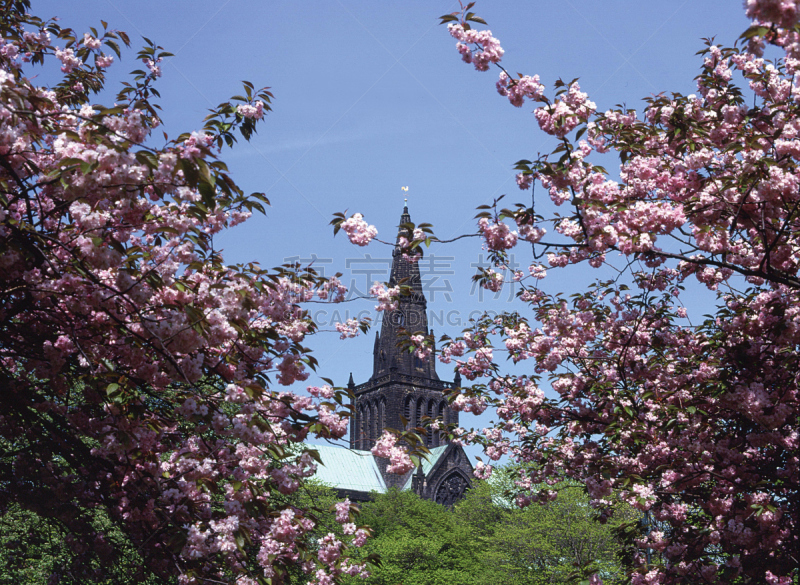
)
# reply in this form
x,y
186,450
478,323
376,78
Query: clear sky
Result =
x,y
371,96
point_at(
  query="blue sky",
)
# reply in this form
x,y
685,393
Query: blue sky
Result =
x,y
371,96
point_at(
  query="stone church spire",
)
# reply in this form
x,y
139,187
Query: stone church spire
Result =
x,y
410,317
405,393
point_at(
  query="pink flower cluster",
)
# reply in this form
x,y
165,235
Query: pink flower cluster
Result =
x,y
325,392
153,66
422,346
498,236
489,49
518,89
474,404
564,115
456,348
348,329
387,297
387,447
343,511
127,300
693,424
783,13
492,280
482,471
332,290
478,365
68,60
253,111
358,230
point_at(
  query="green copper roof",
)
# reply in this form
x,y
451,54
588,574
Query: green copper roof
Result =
x,y
348,469
427,464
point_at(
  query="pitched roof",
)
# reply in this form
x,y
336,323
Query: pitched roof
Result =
x,y
427,464
348,469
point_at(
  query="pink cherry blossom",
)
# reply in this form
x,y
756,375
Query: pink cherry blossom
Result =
x,y
399,460
254,110
387,297
518,89
348,329
68,60
90,42
691,423
153,66
158,363
358,231
498,236
482,471
488,51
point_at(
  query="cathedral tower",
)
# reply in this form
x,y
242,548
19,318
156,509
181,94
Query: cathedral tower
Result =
x,y
403,387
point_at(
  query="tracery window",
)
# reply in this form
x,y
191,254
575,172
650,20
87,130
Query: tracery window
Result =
x,y
451,490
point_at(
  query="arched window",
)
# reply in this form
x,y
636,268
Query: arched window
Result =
x,y
381,417
408,412
443,418
373,428
367,425
429,414
451,489
420,412
362,427
356,426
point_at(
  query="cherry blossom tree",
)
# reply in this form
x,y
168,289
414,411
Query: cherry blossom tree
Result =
x,y
694,425
139,372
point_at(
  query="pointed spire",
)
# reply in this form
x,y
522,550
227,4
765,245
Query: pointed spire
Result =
x,y
350,382
405,217
402,268
410,316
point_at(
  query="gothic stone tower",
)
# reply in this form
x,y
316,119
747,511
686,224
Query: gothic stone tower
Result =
x,y
402,385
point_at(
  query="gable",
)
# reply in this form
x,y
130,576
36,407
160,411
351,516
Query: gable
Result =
x,y
427,464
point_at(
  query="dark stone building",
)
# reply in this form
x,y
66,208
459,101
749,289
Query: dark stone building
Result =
x,y
402,388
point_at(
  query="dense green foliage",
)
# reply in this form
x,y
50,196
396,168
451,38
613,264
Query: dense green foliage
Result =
x,y
38,551
419,542
487,540
483,540
558,542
